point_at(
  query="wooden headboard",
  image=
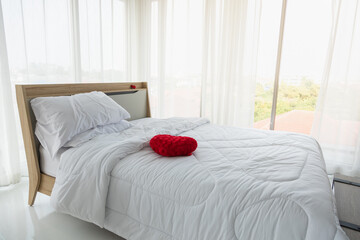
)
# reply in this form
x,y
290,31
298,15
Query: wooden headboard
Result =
x,y
122,93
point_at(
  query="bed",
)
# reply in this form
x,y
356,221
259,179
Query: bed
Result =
x,y
238,184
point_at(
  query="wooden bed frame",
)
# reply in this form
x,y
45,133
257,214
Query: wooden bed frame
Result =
x,y
38,181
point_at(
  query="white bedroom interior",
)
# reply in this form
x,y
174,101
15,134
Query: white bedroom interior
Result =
x,y
278,66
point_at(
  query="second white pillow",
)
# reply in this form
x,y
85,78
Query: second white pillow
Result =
x,y
59,119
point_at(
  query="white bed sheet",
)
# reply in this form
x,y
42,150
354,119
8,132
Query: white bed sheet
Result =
x,y
49,165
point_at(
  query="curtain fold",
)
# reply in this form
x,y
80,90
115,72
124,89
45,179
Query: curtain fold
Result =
x,y
170,50
337,116
10,171
231,36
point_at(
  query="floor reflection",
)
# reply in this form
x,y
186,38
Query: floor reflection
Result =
x,y
19,221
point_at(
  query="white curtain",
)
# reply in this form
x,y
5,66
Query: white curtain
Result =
x,y
9,149
170,48
66,40
43,41
231,40
200,57
337,119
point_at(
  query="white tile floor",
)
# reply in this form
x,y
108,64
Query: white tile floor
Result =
x,y
19,221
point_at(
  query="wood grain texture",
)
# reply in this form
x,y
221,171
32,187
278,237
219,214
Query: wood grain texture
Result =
x,y
46,184
29,143
145,85
46,90
39,182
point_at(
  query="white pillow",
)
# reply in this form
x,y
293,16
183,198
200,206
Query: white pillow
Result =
x,y
91,133
59,119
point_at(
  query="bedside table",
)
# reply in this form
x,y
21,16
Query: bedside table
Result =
x,y
347,194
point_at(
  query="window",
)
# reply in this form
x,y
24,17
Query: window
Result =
x,y
306,31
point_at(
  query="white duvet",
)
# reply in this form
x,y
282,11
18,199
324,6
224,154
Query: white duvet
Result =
x,y
238,184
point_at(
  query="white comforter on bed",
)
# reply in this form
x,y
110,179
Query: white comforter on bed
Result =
x,y
238,184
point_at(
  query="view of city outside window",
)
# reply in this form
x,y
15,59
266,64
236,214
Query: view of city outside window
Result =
x,y
302,64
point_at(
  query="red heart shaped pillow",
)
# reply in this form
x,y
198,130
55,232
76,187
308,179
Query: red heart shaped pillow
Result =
x,y
171,146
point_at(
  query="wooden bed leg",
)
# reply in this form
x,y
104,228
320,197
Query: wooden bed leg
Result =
x,y
33,188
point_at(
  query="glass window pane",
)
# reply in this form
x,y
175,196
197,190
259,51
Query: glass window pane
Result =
x,y
307,29
267,52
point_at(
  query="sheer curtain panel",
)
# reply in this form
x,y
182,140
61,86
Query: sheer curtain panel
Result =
x,y
66,41
9,149
231,39
170,50
43,41
337,119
